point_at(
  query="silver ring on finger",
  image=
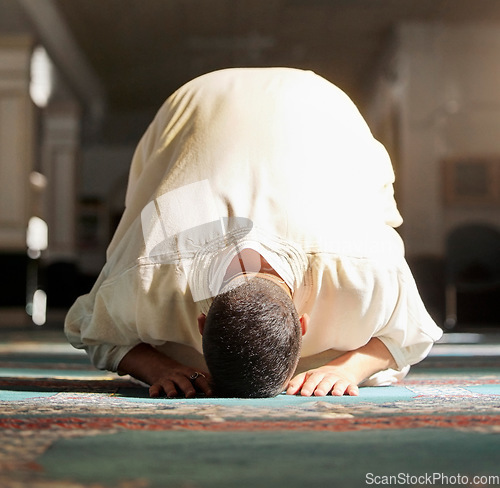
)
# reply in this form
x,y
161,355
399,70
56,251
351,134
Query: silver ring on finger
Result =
x,y
196,375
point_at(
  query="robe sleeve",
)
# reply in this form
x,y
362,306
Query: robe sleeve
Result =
x,y
410,331
100,322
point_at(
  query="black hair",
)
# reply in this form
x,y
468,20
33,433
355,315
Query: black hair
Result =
x,y
252,339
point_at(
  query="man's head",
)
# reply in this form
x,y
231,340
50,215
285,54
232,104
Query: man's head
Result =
x,y
251,339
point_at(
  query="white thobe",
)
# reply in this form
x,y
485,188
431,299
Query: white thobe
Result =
x,y
277,160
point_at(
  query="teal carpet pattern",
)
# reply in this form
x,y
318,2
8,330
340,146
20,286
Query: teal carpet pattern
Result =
x,y
64,424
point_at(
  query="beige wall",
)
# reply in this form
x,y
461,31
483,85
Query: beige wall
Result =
x,y
437,96
16,142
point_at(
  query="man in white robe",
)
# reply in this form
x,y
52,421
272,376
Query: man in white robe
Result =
x,y
263,173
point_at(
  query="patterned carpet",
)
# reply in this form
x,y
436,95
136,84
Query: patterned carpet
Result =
x,y
64,424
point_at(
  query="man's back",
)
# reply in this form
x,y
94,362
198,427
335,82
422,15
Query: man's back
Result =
x,y
281,147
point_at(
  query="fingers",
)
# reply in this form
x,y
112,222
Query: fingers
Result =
x,y
316,384
155,390
203,385
180,383
320,384
343,387
295,384
171,389
305,383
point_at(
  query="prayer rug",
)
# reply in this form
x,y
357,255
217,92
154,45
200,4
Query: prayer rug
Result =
x,y
63,424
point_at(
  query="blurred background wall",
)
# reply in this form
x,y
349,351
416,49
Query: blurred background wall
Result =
x,y
80,81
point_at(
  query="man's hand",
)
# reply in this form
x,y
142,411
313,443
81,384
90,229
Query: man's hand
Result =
x,y
343,375
166,376
179,379
323,380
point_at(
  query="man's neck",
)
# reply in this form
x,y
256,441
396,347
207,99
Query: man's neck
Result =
x,y
251,262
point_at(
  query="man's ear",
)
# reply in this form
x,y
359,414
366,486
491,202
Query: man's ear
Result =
x,y
201,322
304,323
